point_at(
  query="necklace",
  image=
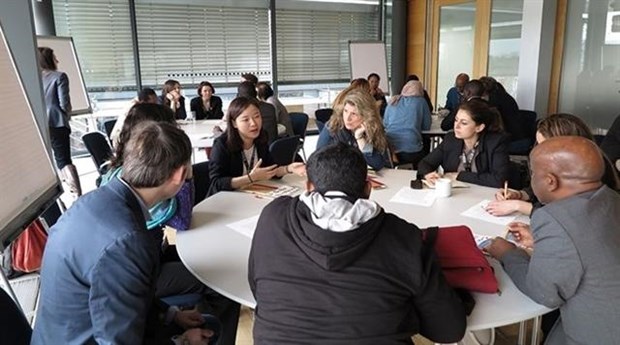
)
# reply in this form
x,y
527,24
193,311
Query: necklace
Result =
x,y
248,163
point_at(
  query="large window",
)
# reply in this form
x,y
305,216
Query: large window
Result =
x,y
196,42
313,45
590,79
505,42
101,32
215,40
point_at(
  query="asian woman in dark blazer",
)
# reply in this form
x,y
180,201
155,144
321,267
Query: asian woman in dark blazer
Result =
x,y
241,155
474,152
206,105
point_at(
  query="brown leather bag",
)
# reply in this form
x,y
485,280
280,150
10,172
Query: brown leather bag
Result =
x,y
28,248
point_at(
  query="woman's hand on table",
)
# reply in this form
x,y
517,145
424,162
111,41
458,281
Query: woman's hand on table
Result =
x,y
432,177
297,168
510,194
259,173
504,207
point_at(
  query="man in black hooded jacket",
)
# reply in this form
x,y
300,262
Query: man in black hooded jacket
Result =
x,y
331,267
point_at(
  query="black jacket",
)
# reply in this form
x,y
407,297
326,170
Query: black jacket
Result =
x,y
509,110
215,112
224,164
371,285
180,113
492,161
611,142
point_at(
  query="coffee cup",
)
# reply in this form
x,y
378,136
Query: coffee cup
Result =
x,y
443,187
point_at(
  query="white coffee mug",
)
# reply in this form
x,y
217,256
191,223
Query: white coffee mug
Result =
x,y
443,188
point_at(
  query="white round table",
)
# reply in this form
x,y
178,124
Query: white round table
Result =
x,y
218,255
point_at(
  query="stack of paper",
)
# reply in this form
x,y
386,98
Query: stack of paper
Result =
x,y
245,227
479,211
419,197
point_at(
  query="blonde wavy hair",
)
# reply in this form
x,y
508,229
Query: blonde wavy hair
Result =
x,y
367,109
356,84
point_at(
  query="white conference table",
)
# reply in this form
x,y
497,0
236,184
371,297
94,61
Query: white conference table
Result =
x,y
218,255
200,132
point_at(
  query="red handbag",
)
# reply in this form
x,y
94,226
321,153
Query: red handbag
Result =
x,y
462,262
28,248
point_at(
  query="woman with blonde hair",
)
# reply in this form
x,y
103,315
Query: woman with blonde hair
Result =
x,y
356,84
405,118
357,123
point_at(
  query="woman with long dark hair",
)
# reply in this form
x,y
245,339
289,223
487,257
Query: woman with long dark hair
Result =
x,y
475,152
241,155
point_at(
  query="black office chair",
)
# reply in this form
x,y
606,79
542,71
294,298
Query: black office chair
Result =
x,y
201,181
283,150
14,328
323,114
528,121
109,126
299,122
99,149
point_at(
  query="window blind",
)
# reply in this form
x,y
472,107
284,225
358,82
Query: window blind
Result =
x,y
101,32
314,45
192,43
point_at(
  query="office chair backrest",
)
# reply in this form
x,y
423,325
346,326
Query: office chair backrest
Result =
x,y
299,122
14,328
201,181
109,126
323,114
98,147
270,121
283,150
528,122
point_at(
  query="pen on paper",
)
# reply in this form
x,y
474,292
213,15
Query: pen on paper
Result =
x,y
505,190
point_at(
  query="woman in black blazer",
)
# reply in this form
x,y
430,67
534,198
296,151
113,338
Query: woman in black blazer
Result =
x,y
241,155
206,105
473,153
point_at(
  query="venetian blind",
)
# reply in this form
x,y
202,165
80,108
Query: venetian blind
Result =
x,y
101,32
313,45
192,43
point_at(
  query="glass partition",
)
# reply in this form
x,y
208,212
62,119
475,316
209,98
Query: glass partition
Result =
x,y
590,78
456,45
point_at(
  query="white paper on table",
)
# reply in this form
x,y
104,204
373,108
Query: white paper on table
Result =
x,y
479,211
245,227
418,197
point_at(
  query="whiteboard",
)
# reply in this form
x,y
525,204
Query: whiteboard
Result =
x,y
68,62
28,181
369,57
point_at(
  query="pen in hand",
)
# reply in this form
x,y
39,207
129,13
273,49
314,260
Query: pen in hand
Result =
x,y
506,190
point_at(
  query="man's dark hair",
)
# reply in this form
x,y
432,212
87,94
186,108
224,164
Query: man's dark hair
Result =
x,y
250,77
139,113
154,152
338,167
264,90
246,89
473,88
145,94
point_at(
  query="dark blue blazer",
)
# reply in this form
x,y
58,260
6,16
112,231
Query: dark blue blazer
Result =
x,y
99,270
